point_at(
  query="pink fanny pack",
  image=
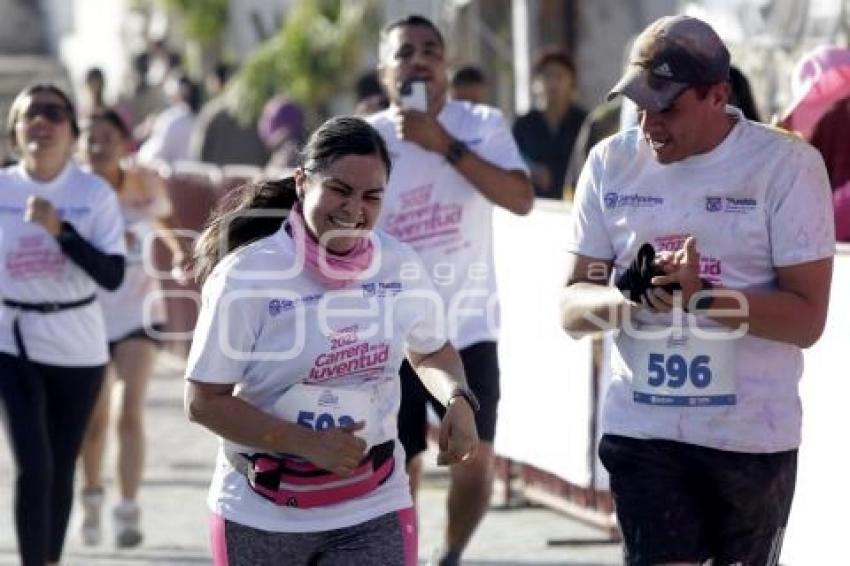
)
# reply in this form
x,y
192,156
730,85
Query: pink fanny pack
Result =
x,y
292,482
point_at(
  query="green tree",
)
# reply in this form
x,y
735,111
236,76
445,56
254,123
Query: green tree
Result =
x,y
204,24
309,60
204,21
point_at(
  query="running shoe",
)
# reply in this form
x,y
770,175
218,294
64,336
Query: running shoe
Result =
x,y
92,500
128,533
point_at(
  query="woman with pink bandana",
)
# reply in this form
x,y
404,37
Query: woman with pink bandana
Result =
x,y
307,314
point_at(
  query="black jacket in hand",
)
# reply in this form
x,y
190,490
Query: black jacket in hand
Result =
x,y
635,281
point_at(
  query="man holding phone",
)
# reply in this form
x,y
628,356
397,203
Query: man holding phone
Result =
x,y
452,163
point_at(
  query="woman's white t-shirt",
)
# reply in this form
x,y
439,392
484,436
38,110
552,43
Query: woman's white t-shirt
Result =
x,y
431,206
35,270
138,302
758,201
266,326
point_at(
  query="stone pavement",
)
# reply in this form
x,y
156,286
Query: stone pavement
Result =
x,y
180,457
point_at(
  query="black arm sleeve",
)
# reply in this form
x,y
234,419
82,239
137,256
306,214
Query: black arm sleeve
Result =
x,y
106,270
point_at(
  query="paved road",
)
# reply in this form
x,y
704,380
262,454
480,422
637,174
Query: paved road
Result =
x,y
174,514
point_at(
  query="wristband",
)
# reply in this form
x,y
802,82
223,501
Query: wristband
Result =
x,y
457,149
466,394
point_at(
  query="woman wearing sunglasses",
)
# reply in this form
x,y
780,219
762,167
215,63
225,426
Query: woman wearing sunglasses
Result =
x,y
61,237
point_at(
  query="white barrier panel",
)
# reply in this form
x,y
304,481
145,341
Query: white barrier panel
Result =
x,y
817,532
545,412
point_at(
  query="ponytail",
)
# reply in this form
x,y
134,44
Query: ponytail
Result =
x,y
232,225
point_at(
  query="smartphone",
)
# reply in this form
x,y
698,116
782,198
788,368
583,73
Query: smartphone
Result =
x,y
414,96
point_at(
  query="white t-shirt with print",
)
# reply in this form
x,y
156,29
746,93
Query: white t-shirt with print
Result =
x,y
267,326
759,200
432,207
138,302
35,269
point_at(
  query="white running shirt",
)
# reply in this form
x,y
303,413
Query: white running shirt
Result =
x,y
260,307
431,206
759,200
35,269
138,302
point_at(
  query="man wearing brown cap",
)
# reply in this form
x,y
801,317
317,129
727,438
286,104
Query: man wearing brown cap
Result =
x,y
719,234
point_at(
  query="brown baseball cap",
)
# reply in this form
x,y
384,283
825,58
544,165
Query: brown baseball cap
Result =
x,y
672,54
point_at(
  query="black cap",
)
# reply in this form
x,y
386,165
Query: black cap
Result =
x,y
672,54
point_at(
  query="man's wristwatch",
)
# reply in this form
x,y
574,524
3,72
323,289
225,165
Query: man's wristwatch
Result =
x,y
457,149
466,394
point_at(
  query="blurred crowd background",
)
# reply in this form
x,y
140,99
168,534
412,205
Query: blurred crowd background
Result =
x,y
226,59
229,82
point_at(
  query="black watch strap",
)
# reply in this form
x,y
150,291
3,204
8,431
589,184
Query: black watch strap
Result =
x,y
466,394
457,149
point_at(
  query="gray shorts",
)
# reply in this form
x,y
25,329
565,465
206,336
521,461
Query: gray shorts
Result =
x,y
389,540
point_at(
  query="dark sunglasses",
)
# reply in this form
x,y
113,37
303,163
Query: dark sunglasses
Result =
x,y
55,113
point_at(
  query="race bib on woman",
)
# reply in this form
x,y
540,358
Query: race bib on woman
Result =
x,y
321,408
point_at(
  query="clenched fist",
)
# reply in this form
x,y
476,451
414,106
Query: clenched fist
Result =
x,y
40,210
458,434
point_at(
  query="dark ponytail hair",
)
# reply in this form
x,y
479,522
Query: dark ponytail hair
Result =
x,y
232,226
341,136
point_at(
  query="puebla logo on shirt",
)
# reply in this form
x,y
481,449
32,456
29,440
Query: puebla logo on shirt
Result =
x,y
614,200
276,306
730,204
713,204
738,204
382,289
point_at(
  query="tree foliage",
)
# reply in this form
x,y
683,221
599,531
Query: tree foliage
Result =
x,y
309,60
204,21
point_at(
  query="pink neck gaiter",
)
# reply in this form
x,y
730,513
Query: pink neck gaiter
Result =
x,y
331,270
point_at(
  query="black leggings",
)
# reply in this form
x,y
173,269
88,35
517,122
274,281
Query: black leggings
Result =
x,y
47,409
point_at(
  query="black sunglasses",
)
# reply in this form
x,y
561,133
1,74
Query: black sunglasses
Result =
x,y
55,113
